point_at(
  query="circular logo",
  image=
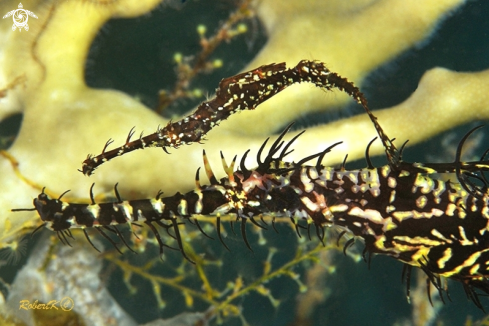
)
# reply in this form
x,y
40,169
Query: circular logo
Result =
x,y
20,18
66,303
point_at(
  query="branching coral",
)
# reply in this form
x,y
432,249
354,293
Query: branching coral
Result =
x,y
63,119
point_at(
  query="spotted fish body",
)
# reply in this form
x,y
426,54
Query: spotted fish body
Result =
x,y
398,209
409,216
401,212
241,92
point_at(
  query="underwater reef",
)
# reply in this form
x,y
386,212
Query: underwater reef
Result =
x,y
423,69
